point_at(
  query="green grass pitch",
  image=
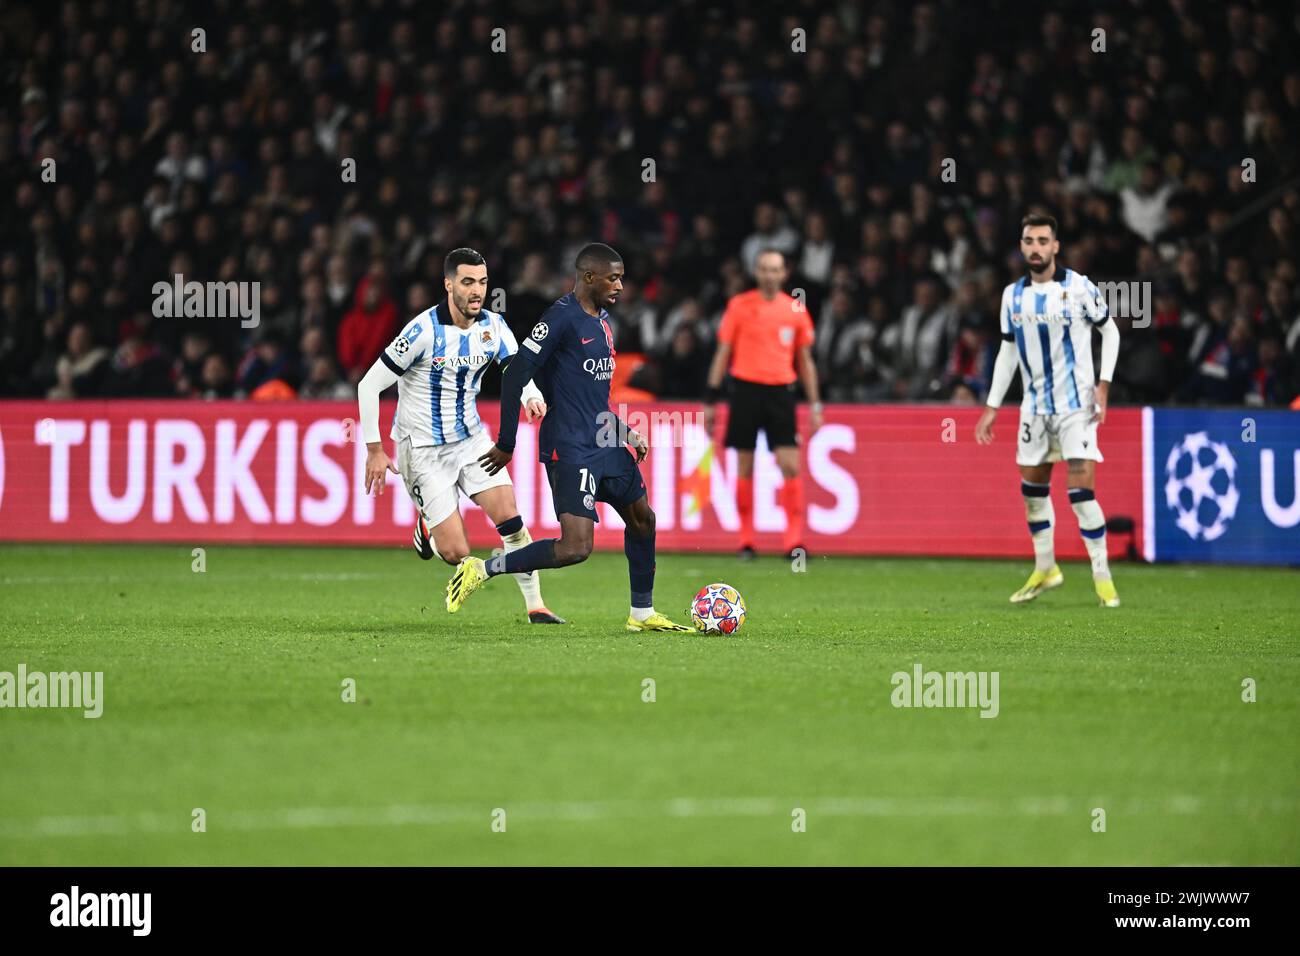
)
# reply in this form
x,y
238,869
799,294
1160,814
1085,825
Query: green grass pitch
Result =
x,y
223,691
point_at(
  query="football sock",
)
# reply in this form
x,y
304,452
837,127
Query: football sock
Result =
x,y
640,553
513,537
745,509
1092,525
429,536
642,613
531,557
1041,517
792,502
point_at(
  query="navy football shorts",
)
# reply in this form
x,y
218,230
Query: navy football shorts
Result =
x,y
613,477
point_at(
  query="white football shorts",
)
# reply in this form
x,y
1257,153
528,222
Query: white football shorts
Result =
x,y
1049,438
435,475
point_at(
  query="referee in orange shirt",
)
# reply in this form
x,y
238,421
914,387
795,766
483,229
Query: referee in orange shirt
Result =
x,y
765,341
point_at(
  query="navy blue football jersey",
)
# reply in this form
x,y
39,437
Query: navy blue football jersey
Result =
x,y
571,355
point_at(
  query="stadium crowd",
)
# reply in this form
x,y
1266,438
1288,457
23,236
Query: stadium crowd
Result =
x,y
890,150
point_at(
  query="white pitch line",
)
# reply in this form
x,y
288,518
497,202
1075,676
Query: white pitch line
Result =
x,y
224,576
315,818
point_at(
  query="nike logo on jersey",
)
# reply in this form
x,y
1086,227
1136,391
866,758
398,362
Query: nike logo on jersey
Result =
x,y
588,341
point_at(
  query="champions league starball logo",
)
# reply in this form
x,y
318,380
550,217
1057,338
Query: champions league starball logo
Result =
x,y
1201,486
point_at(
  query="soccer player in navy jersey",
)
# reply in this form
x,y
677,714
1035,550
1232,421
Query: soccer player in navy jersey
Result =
x,y
569,355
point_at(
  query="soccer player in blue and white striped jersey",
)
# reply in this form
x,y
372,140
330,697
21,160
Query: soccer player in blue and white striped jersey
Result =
x,y
1047,320
438,361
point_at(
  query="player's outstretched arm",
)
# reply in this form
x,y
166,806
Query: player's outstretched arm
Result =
x,y
378,464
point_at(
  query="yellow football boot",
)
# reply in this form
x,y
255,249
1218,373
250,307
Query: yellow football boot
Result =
x,y
1106,591
1039,582
655,622
468,577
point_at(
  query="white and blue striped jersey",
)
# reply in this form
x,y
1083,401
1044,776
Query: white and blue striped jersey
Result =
x,y
1051,323
440,368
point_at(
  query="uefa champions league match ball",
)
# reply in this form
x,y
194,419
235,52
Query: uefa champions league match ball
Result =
x,y
718,609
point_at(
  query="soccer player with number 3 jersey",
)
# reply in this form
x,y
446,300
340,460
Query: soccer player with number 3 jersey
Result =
x,y
1047,320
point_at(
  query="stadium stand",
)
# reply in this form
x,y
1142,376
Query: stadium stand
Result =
x,y
229,165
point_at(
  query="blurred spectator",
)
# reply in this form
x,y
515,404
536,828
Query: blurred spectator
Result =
x,y
215,378
1145,204
187,370
1082,160
915,344
1273,376
816,254
962,393
1223,361
833,321
140,366
684,366
82,370
266,360
323,382
531,295
368,327
635,321
769,233
1125,172
859,368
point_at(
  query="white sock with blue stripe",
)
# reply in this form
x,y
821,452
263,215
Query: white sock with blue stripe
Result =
x,y
1092,526
1042,520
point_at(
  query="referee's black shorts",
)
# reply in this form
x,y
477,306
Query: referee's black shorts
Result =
x,y
767,407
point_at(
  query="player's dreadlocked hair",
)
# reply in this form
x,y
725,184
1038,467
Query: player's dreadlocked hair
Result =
x,y
464,256
595,257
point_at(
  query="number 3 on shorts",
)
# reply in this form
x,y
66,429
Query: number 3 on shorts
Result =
x,y
586,481
1025,436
